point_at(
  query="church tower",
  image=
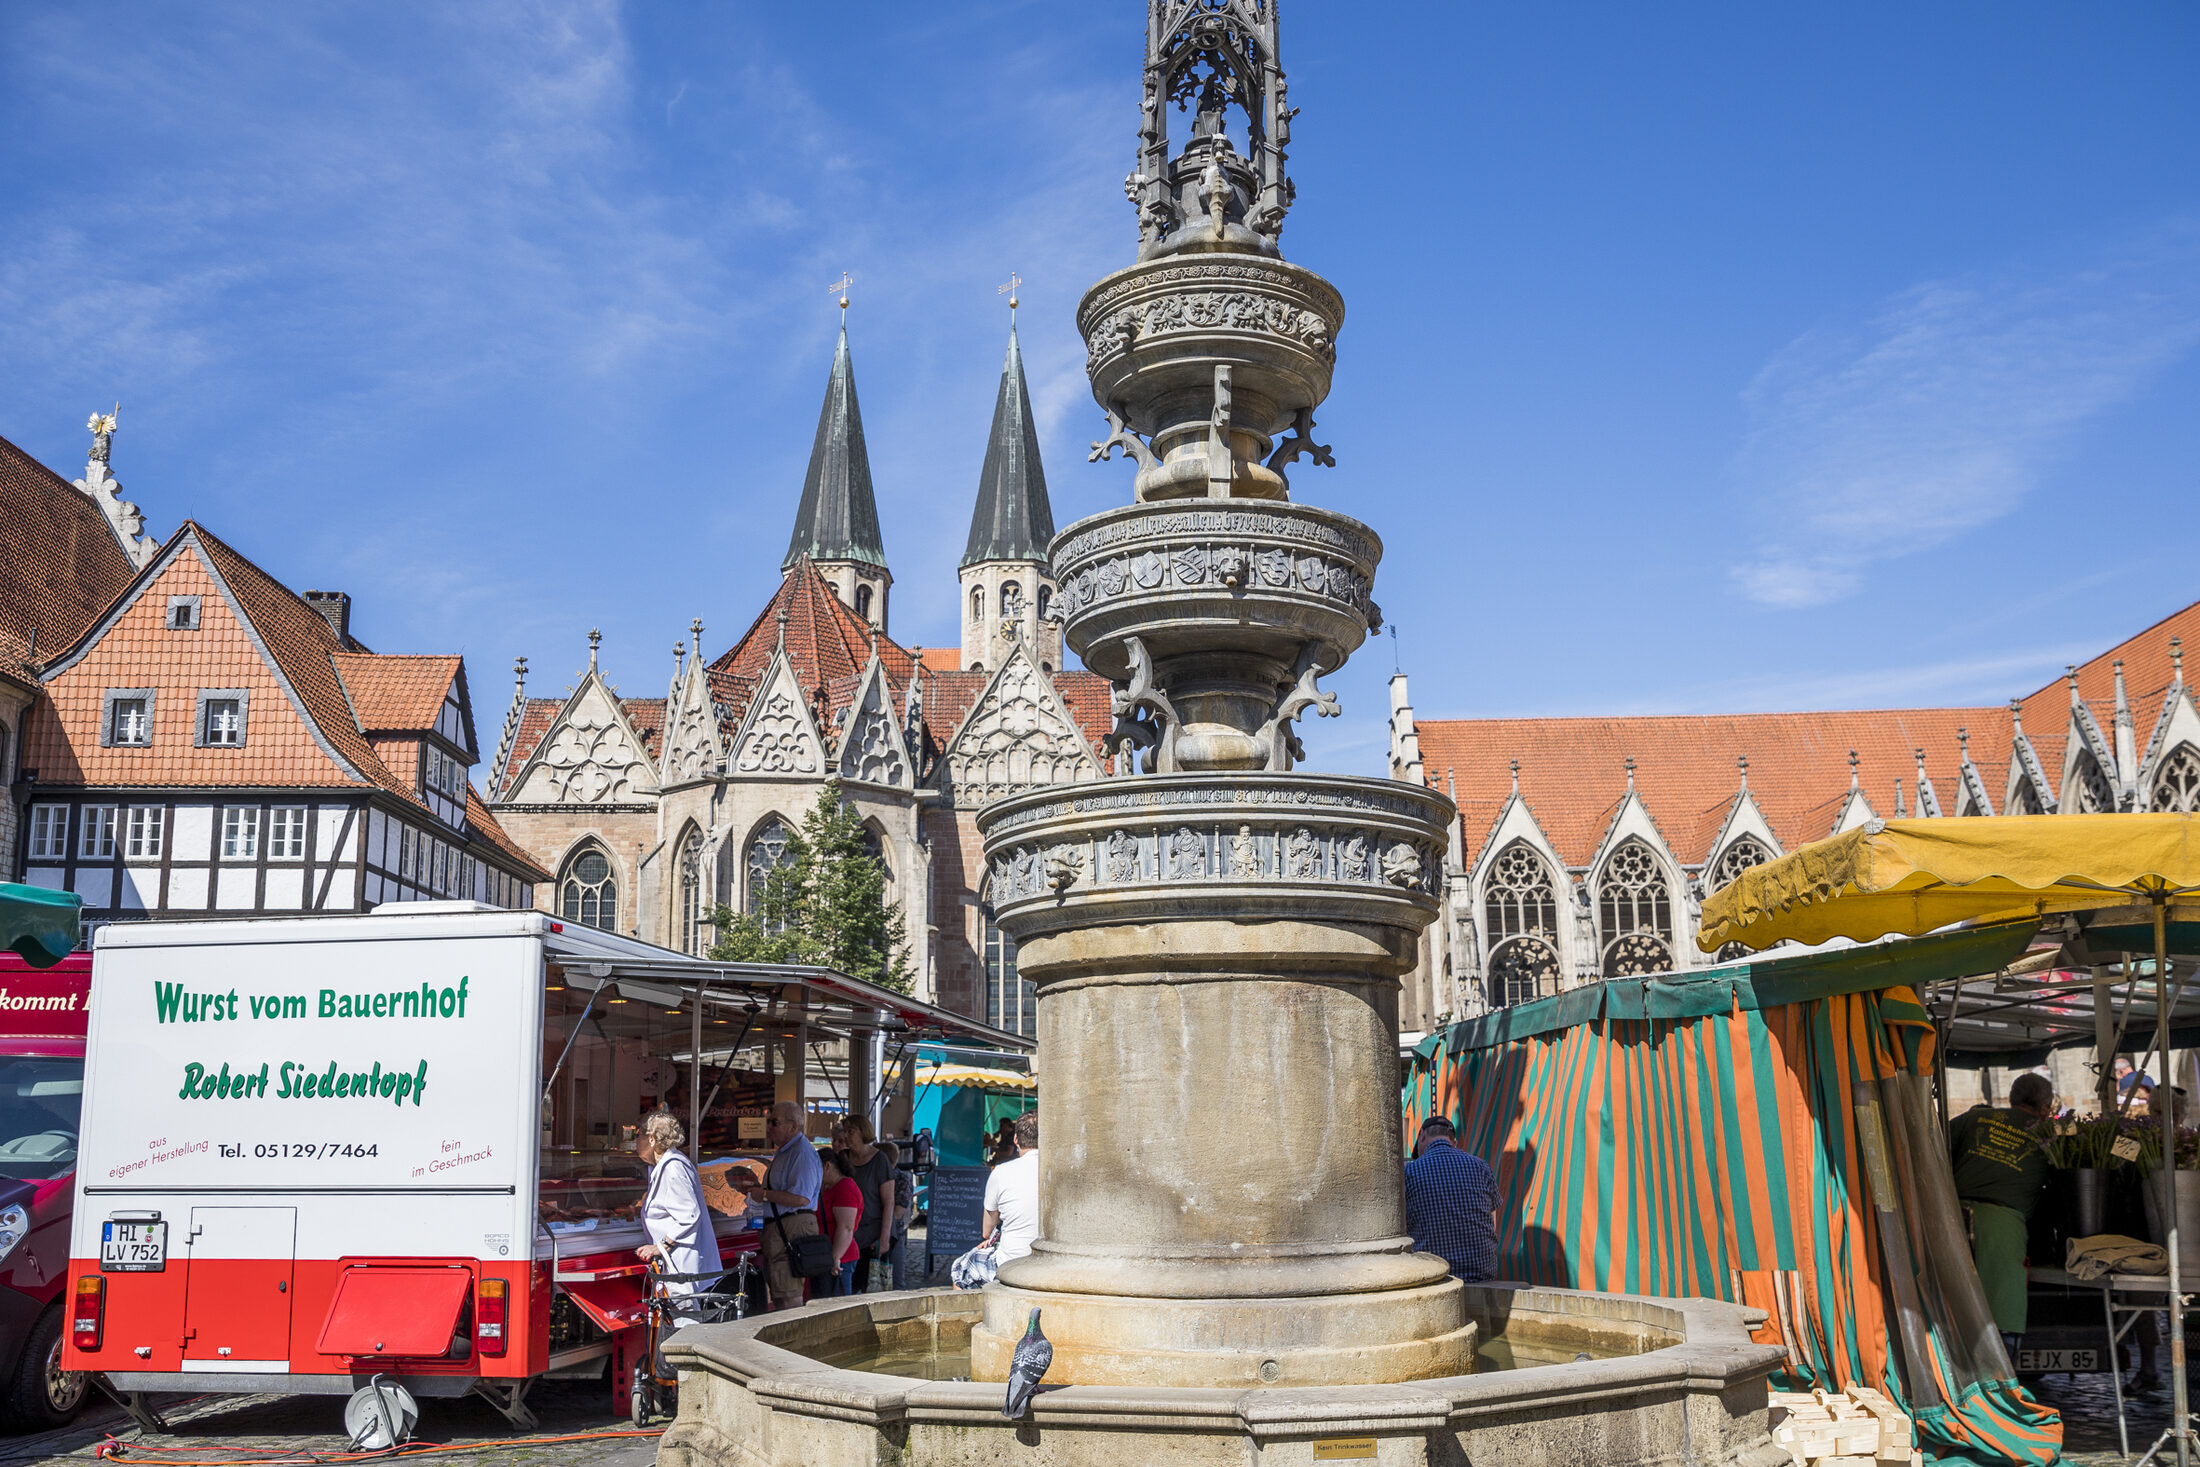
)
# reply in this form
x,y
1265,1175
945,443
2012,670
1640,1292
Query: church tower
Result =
x,y
1007,585
837,525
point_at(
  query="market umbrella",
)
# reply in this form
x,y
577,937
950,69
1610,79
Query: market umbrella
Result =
x,y
1916,876
44,926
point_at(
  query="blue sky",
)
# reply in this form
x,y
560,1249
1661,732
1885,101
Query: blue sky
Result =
x,y
1697,358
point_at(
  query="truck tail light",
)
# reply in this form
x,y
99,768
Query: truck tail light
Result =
x,y
90,1314
489,1301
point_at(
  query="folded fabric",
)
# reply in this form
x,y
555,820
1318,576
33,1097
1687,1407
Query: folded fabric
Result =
x,y
2089,1258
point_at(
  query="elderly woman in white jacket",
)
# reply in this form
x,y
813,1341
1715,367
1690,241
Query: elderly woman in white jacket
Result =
x,y
673,1211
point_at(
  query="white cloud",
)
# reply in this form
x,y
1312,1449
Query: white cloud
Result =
x,y
1945,409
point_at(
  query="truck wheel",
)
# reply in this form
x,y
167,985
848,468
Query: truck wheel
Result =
x,y
43,1395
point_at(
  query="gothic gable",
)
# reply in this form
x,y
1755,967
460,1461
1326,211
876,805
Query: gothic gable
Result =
x,y
1018,736
871,750
691,746
778,736
591,755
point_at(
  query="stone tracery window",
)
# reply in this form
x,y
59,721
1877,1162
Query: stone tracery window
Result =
x,y
1521,970
1011,1001
1635,912
1519,899
688,916
588,893
767,853
1741,854
2089,790
2177,782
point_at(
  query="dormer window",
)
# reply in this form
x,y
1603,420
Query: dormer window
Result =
x,y
221,720
128,718
183,613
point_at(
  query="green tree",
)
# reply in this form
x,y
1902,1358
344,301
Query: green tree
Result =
x,y
824,904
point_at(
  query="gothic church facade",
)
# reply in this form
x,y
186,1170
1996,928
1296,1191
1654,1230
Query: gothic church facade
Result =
x,y
651,810
1585,846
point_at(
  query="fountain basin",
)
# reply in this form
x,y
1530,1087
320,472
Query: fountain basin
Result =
x,y
1679,1381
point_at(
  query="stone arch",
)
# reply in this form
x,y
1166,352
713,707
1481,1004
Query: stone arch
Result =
x,y
2176,783
690,909
764,850
1741,853
1010,1000
1634,911
1522,969
2087,790
588,886
863,602
977,603
1519,896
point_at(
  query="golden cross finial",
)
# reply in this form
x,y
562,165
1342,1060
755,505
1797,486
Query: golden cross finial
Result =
x,y
840,288
1009,290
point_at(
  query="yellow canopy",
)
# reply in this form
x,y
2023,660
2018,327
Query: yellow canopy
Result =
x,y
1918,876
974,1077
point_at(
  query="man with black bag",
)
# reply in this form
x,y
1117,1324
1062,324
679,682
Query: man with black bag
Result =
x,y
785,1206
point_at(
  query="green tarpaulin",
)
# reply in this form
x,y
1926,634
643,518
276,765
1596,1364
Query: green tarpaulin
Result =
x,y
44,926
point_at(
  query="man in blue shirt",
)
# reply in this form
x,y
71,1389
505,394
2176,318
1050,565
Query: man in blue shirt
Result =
x,y
783,1203
1451,1203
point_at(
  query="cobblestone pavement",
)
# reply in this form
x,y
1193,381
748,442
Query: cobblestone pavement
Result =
x,y
2088,1406
242,1426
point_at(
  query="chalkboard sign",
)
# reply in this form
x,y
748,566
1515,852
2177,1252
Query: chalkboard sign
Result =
x,y
957,1206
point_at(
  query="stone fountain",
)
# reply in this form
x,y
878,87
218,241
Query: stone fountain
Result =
x,y
1216,939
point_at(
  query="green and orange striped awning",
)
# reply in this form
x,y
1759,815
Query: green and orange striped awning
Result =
x,y
1712,1135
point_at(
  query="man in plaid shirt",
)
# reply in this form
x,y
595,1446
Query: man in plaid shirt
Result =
x,y
1451,1203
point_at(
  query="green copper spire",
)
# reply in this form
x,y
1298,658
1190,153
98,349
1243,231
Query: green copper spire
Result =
x,y
838,520
1012,520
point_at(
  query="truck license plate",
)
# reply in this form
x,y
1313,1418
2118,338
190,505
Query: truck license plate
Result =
x,y
133,1247
2044,1361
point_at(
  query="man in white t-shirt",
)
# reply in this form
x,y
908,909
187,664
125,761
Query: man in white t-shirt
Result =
x,y
1012,1195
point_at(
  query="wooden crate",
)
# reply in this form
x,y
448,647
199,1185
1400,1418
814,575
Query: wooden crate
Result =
x,y
1857,1427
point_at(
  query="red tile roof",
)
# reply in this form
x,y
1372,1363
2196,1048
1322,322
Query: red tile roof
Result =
x,y
1573,770
829,646
60,564
396,693
132,646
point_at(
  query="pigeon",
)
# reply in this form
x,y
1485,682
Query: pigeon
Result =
x,y
1026,1368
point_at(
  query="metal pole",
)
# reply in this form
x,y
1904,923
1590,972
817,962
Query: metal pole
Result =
x,y
695,1075
2104,1044
2166,1094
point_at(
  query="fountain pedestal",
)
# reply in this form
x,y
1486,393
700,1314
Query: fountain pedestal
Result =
x,y
1217,958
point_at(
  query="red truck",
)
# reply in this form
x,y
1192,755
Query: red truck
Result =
x,y
42,1027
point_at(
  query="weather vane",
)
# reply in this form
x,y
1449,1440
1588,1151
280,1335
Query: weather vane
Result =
x,y
840,288
1009,290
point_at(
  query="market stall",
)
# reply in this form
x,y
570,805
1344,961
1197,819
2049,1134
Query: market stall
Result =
x,y
1760,1132
402,1145
2103,886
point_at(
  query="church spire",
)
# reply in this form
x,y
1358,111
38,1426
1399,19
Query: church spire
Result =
x,y
1007,586
1013,519
837,524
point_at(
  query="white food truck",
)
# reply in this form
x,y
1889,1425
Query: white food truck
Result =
x,y
319,1149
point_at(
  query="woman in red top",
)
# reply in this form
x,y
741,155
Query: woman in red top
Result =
x,y
839,1209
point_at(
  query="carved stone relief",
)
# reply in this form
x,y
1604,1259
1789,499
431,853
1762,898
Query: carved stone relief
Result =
x,y
778,736
1018,737
872,750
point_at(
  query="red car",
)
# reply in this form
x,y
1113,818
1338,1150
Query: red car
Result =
x,y
42,1027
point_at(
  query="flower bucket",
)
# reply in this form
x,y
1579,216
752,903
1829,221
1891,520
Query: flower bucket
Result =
x,y
2091,1200
2188,1219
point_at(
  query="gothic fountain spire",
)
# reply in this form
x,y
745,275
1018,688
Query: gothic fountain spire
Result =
x,y
1241,927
